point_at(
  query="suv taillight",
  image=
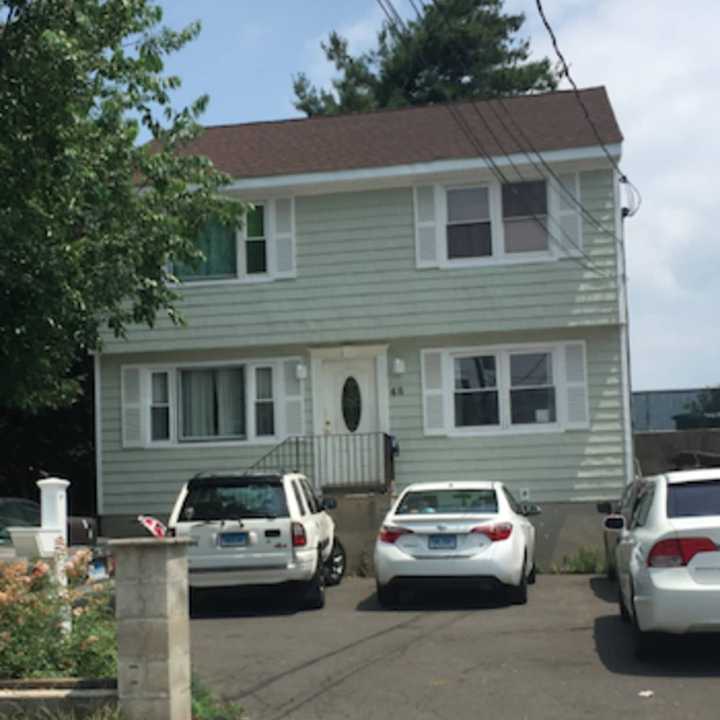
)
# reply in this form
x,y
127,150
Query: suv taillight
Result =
x,y
678,552
391,534
299,538
498,531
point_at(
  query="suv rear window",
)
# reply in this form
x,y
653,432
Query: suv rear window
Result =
x,y
448,501
234,500
693,499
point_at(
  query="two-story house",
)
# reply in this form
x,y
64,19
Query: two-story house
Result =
x,y
391,279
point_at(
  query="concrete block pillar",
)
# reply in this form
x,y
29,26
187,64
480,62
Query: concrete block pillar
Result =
x,y
153,628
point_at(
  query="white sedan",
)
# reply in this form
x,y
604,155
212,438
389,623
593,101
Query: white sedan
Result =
x,y
668,559
472,534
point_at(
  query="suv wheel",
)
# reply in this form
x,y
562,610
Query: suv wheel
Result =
x,y
334,568
314,591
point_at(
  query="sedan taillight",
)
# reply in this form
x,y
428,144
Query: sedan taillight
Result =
x,y
299,538
498,531
391,534
678,552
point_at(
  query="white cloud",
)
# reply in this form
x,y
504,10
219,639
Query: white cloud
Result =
x,y
659,62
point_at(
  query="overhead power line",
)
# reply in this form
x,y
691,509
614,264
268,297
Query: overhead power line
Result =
x,y
578,96
465,128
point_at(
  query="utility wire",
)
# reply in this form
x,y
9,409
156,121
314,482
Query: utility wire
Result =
x,y
461,121
566,72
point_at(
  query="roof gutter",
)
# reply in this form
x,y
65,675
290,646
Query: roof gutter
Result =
x,y
414,171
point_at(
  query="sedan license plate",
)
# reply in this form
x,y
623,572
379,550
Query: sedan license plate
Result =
x,y
233,539
442,542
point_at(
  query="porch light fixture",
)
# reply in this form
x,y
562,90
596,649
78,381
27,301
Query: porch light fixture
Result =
x,y
398,366
301,371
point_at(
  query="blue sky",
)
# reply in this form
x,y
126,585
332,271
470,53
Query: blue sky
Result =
x,y
659,65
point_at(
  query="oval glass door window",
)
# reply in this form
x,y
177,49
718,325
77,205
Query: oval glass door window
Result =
x,y
351,404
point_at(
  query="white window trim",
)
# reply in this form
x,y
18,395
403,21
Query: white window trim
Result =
x,y
502,353
242,277
250,364
497,227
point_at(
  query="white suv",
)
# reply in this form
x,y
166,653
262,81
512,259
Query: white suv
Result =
x,y
255,530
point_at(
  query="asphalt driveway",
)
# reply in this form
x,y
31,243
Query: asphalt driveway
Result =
x,y
564,655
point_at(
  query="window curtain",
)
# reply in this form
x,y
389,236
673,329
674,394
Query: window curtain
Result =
x,y
217,243
231,401
198,403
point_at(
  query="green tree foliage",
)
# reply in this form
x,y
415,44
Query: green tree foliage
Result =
x,y
80,245
456,49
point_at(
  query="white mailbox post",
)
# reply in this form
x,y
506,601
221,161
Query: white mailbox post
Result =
x,y
45,540
53,506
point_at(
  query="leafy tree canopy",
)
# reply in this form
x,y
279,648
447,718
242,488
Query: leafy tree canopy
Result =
x,y
455,49
80,244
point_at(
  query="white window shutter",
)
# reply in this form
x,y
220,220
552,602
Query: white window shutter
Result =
x,y
284,225
565,217
292,398
133,415
427,226
576,391
434,391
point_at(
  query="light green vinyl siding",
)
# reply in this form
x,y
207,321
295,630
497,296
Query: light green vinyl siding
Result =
x,y
555,467
357,281
146,480
570,466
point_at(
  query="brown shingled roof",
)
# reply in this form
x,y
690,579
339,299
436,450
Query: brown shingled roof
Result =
x,y
551,121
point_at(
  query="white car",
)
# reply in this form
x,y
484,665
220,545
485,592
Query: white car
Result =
x,y
472,534
668,559
255,530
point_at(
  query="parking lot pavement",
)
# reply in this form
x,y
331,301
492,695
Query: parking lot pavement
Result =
x,y
565,655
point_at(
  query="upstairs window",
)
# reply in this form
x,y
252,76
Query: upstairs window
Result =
x,y
469,233
218,244
262,249
255,242
525,218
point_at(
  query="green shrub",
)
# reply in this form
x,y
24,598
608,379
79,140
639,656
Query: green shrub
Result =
x,y
588,560
32,611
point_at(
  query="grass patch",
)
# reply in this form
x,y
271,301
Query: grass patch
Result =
x,y
587,560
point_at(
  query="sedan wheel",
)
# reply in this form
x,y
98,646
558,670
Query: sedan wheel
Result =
x,y
518,594
386,596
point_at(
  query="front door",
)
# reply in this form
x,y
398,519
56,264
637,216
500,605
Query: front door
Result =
x,y
350,446
349,396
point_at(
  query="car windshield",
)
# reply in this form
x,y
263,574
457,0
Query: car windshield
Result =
x,y
693,499
234,501
419,502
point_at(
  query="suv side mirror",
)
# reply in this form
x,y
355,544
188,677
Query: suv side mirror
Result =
x,y
614,522
329,503
530,509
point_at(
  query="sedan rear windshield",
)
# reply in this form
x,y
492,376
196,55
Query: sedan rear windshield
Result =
x,y
448,501
693,499
234,501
